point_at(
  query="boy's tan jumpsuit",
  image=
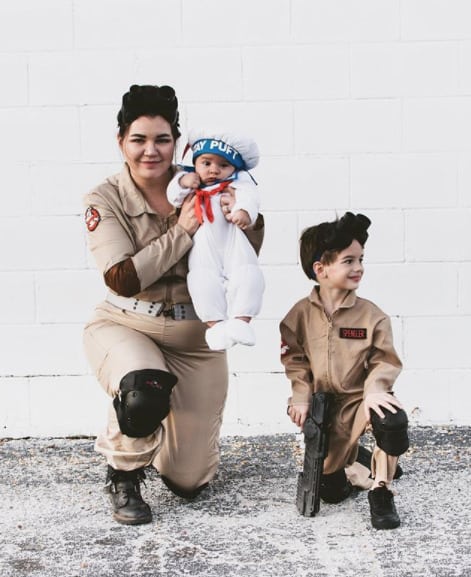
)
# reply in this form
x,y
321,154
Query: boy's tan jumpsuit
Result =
x,y
185,448
350,355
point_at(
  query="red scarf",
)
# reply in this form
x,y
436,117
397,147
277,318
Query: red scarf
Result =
x,y
203,199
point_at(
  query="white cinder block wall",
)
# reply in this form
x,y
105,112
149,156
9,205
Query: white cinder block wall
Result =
x,y
356,104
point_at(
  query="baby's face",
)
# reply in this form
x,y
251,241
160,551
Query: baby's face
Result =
x,y
212,168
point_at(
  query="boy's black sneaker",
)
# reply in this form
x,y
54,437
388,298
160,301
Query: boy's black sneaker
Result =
x,y
335,487
382,509
123,488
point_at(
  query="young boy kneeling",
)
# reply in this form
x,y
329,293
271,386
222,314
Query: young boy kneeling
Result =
x,y
334,341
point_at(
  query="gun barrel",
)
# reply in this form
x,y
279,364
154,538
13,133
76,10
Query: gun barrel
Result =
x,y
316,447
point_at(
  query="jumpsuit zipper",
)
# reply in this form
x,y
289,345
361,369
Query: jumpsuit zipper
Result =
x,y
329,354
167,295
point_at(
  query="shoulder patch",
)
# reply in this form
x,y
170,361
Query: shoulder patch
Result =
x,y
92,218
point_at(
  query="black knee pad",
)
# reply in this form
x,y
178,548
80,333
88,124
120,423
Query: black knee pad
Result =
x,y
143,401
391,432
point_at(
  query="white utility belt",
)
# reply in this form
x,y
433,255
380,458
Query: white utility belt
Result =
x,y
178,312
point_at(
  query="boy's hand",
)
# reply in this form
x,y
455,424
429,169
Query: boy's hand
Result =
x,y
241,219
189,180
298,414
375,401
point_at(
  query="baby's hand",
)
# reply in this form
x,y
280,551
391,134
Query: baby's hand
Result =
x,y
227,202
241,218
189,180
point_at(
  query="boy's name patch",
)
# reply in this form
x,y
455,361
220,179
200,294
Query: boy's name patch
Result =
x,y
352,333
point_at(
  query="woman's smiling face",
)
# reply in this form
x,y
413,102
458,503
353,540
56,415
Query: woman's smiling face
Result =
x,y
148,147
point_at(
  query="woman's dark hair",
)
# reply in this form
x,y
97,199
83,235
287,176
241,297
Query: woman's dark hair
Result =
x,y
325,240
147,100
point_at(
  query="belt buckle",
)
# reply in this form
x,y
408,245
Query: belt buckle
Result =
x,y
170,312
177,312
162,311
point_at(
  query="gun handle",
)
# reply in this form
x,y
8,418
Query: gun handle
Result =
x,y
316,447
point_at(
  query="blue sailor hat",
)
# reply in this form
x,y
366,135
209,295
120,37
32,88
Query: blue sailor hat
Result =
x,y
239,150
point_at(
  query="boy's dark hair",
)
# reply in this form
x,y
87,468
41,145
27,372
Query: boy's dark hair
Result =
x,y
323,241
147,100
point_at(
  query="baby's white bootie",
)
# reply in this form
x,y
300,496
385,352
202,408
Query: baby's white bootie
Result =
x,y
218,338
240,332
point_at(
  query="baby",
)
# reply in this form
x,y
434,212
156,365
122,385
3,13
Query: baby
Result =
x,y
224,279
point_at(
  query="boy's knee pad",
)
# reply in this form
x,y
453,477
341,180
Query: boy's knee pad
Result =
x,y
391,432
143,401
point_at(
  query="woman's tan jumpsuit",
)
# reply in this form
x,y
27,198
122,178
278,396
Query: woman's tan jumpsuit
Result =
x,y
185,449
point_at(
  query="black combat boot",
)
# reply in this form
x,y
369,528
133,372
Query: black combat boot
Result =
x,y
335,487
382,508
125,495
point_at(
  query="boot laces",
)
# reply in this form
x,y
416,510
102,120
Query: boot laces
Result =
x,y
126,482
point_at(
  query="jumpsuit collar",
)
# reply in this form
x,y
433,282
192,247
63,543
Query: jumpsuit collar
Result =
x,y
134,203
347,303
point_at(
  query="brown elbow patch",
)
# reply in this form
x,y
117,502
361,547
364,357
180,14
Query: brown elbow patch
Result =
x,y
122,279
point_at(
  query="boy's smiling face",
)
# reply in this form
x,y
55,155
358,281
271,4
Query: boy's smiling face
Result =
x,y
345,272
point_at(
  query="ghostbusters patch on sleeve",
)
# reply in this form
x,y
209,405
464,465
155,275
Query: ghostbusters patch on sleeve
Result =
x,y
284,348
92,218
353,333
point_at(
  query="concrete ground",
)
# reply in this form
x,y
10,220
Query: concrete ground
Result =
x,y
55,520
